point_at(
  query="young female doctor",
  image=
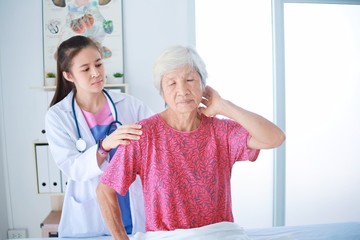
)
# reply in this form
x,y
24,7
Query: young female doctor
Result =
x,y
84,125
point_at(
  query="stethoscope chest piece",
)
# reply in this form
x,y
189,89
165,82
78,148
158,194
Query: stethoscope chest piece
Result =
x,y
80,145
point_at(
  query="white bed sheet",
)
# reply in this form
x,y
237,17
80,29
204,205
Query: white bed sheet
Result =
x,y
331,231
232,231
223,230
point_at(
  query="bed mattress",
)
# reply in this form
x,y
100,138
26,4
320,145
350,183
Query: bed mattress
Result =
x,y
232,231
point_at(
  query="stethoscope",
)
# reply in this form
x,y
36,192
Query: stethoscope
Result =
x,y
80,143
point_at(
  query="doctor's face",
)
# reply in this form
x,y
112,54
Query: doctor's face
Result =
x,y
87,71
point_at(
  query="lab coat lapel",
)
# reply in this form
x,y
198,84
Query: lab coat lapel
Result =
x,y
110,104
84,128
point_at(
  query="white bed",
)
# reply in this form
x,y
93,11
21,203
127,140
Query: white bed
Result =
x,y
333,231
232,231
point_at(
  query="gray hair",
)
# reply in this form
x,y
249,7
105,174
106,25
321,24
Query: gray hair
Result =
x,y
175,57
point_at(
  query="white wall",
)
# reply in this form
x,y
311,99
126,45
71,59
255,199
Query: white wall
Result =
x,y
149,26
3,209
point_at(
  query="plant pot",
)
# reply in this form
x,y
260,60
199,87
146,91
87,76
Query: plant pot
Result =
x,y
114,80
50,81
118,80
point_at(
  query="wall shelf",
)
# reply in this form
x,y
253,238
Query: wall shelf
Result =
x,y
122,86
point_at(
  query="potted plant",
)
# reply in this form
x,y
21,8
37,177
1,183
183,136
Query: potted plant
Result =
x,y
50,79
117,76
50,75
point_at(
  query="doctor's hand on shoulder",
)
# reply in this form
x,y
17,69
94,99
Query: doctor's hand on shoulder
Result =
x,y
122,136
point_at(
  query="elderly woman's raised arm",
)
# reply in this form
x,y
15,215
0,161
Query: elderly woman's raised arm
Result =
x,y
264,134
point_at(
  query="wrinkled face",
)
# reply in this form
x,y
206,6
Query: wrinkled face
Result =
x,y
182,89
87,71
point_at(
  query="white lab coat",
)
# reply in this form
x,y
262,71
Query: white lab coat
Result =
x,y
81,216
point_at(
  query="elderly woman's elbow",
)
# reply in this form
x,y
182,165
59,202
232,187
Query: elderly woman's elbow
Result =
x,y
275,141
272,141
280,138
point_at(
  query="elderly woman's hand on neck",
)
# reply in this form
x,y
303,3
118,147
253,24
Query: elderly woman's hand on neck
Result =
x,y
213,102
264,134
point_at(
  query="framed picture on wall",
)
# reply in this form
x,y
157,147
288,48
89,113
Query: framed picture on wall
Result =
x,y
98,19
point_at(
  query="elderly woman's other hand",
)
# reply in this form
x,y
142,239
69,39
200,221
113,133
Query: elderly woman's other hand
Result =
x,y
212,101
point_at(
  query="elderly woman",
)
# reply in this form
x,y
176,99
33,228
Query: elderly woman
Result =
x,y
185,154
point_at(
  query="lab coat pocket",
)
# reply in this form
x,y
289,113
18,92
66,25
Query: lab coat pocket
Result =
x,y
85,219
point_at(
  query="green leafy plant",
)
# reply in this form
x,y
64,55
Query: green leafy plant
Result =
x,y
118,75
50,75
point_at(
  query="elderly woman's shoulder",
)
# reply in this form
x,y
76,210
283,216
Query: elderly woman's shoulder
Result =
x,y
151,121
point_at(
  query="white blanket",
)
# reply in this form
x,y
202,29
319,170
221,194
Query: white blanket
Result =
x,y
222,231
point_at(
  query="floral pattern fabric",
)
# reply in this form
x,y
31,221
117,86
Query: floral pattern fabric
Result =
x,y
185,175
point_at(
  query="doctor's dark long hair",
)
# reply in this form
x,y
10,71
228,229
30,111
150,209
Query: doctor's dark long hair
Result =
x,y
65,54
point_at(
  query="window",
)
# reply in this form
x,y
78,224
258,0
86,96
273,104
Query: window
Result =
x,y
322,53
322,102
234,39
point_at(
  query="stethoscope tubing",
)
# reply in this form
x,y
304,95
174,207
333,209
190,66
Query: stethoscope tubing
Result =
x,y
80,143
